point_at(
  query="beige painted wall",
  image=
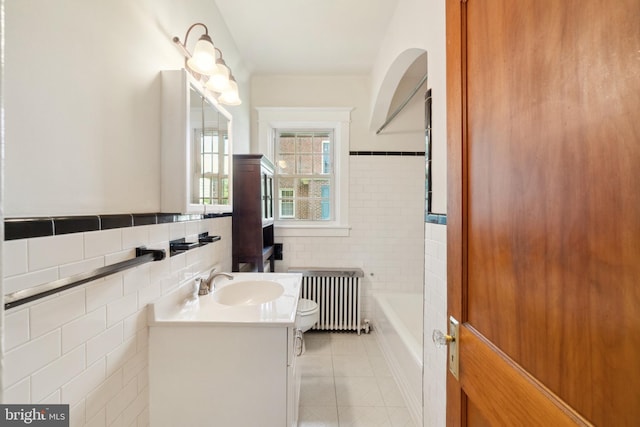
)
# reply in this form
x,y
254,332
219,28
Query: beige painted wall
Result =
x,y
83,100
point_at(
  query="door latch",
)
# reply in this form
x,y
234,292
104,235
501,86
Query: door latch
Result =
x,y
451,340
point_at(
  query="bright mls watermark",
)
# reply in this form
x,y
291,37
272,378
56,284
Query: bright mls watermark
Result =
x,y
34,415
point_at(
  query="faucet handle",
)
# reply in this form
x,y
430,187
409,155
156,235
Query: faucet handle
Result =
x,y
203,287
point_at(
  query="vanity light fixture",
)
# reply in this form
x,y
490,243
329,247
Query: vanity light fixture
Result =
x,y
209,68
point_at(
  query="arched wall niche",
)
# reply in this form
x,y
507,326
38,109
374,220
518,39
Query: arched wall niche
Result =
x,y
392,79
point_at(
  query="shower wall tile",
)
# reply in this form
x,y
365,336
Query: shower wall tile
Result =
x,y
386,215
435,317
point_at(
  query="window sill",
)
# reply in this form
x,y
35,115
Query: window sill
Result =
x,y
311,230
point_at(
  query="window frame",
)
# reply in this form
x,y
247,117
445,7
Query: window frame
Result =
x,y
326,172
338,119
280,201
221,178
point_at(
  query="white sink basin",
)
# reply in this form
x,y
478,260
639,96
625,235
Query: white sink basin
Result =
x,y
264,299
253,292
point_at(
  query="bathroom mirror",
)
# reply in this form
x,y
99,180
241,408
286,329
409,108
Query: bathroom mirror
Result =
x,y
210,151
196,148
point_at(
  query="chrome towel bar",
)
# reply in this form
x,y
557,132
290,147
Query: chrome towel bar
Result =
x,y
24,296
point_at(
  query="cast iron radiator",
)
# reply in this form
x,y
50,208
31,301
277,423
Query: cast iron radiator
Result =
x,y
337,291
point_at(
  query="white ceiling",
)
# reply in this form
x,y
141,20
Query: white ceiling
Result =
x,y
308,36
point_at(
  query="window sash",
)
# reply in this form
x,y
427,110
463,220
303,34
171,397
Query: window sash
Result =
x,y
305,160
211,166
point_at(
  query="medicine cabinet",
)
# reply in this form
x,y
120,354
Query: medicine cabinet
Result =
x,y
196,148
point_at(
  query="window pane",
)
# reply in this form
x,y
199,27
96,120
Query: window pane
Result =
x,y
206,187
319,187
304,174
286,183
304,144
207,163
286,164
302,187
305,164
207,144
214,189
286,144
303,210
318,141
321,164
224,197
225,165
215,165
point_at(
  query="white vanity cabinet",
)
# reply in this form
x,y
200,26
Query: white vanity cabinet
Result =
x,y
223,376
217,365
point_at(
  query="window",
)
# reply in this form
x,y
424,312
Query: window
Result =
x,y
304,176
310,149
287,202
212,162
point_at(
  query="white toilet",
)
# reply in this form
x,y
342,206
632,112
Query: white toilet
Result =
x,y
307,314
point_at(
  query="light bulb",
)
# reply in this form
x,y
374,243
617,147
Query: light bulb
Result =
x,y
231,95
219,81
203,60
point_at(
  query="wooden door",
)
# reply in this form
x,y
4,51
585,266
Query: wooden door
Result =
x,y
544,211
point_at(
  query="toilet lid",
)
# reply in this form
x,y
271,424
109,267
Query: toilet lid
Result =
x,y
306,305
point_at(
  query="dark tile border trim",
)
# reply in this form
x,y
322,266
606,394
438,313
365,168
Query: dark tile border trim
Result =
x,y
75,224
108,222
26,228
387,153
22,228
435,218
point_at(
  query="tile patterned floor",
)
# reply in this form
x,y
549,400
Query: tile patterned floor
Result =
x,y
346,383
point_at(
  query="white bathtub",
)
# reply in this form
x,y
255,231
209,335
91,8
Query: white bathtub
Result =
x,y
398,325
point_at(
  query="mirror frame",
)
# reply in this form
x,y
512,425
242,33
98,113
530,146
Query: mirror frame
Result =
x,y
177,145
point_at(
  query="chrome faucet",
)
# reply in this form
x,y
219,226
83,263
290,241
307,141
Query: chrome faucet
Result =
x,y
207,285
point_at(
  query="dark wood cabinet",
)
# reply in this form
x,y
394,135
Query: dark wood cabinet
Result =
x,y
252,213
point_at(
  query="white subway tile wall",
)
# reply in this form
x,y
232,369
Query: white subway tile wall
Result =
x,y
435,317
386,214
15,257
88,346
53,251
